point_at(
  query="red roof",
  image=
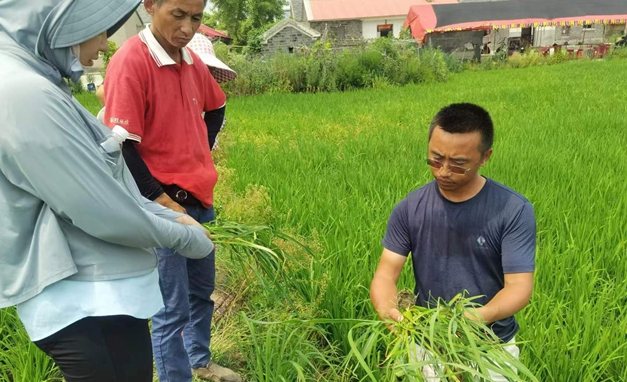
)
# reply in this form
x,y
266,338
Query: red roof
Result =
x,y
212,33
320,10
434,18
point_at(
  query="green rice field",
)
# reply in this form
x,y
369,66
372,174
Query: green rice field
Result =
x,y
329,168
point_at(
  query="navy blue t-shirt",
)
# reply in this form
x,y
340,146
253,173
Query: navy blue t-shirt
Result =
x,y
466,246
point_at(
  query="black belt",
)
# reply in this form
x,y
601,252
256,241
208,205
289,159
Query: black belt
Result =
x,y
181,196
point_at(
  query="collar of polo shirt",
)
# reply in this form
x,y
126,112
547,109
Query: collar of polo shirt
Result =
x,y
158,54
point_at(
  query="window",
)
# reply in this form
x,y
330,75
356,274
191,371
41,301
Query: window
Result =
x,y
385,30
566,31
588,27
290,49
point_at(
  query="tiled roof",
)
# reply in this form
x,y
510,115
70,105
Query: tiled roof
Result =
x,y
320,10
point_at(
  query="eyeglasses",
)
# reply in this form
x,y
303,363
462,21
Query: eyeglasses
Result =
x,y
451,167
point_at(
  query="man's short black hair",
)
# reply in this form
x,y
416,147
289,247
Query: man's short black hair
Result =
x,y
460,118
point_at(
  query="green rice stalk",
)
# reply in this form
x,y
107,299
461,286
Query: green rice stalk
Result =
x,y
460,349
254,247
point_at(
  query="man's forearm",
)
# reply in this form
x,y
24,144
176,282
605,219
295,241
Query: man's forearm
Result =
x,y
383,294
507,302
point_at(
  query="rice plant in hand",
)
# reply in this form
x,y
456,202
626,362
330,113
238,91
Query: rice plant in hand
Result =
x,y
441,339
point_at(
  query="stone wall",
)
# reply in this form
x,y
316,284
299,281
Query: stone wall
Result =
x,y
345,32
298,10
289,38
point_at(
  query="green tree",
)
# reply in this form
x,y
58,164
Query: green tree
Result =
x,y
210,20
241,17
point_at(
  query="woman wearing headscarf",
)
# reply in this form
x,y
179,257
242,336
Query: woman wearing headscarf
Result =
x,y
76,236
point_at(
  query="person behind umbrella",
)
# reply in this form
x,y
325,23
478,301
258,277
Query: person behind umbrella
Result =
x,y
76,236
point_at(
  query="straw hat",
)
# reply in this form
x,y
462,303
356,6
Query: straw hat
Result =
x,y
203,47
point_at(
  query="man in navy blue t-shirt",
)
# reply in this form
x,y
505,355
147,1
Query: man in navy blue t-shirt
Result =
x,y
464,232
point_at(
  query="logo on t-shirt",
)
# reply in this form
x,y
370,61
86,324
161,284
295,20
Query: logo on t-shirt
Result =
x,y
481,240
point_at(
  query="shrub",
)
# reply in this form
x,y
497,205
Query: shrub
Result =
x,y
434,60
380,63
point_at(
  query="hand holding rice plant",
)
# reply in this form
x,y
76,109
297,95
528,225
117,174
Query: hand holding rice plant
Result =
x,y
439,343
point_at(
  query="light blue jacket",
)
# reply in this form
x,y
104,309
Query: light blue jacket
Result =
x,y
65,212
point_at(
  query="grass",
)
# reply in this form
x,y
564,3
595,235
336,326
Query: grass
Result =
x,y
89,101
20,359
334,165
329,168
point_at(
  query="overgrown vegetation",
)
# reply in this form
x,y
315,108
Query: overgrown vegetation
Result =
x,y
76,87
381,63
325,69
534,58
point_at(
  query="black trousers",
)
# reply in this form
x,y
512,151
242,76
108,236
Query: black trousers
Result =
x,y
102,349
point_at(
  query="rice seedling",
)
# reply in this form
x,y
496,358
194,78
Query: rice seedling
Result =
x,y
441,338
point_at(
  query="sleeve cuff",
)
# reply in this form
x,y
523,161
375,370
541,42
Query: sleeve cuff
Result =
x,y
394,248
518,269
135,138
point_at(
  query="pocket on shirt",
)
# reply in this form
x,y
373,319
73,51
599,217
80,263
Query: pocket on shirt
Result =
x,y
114,161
